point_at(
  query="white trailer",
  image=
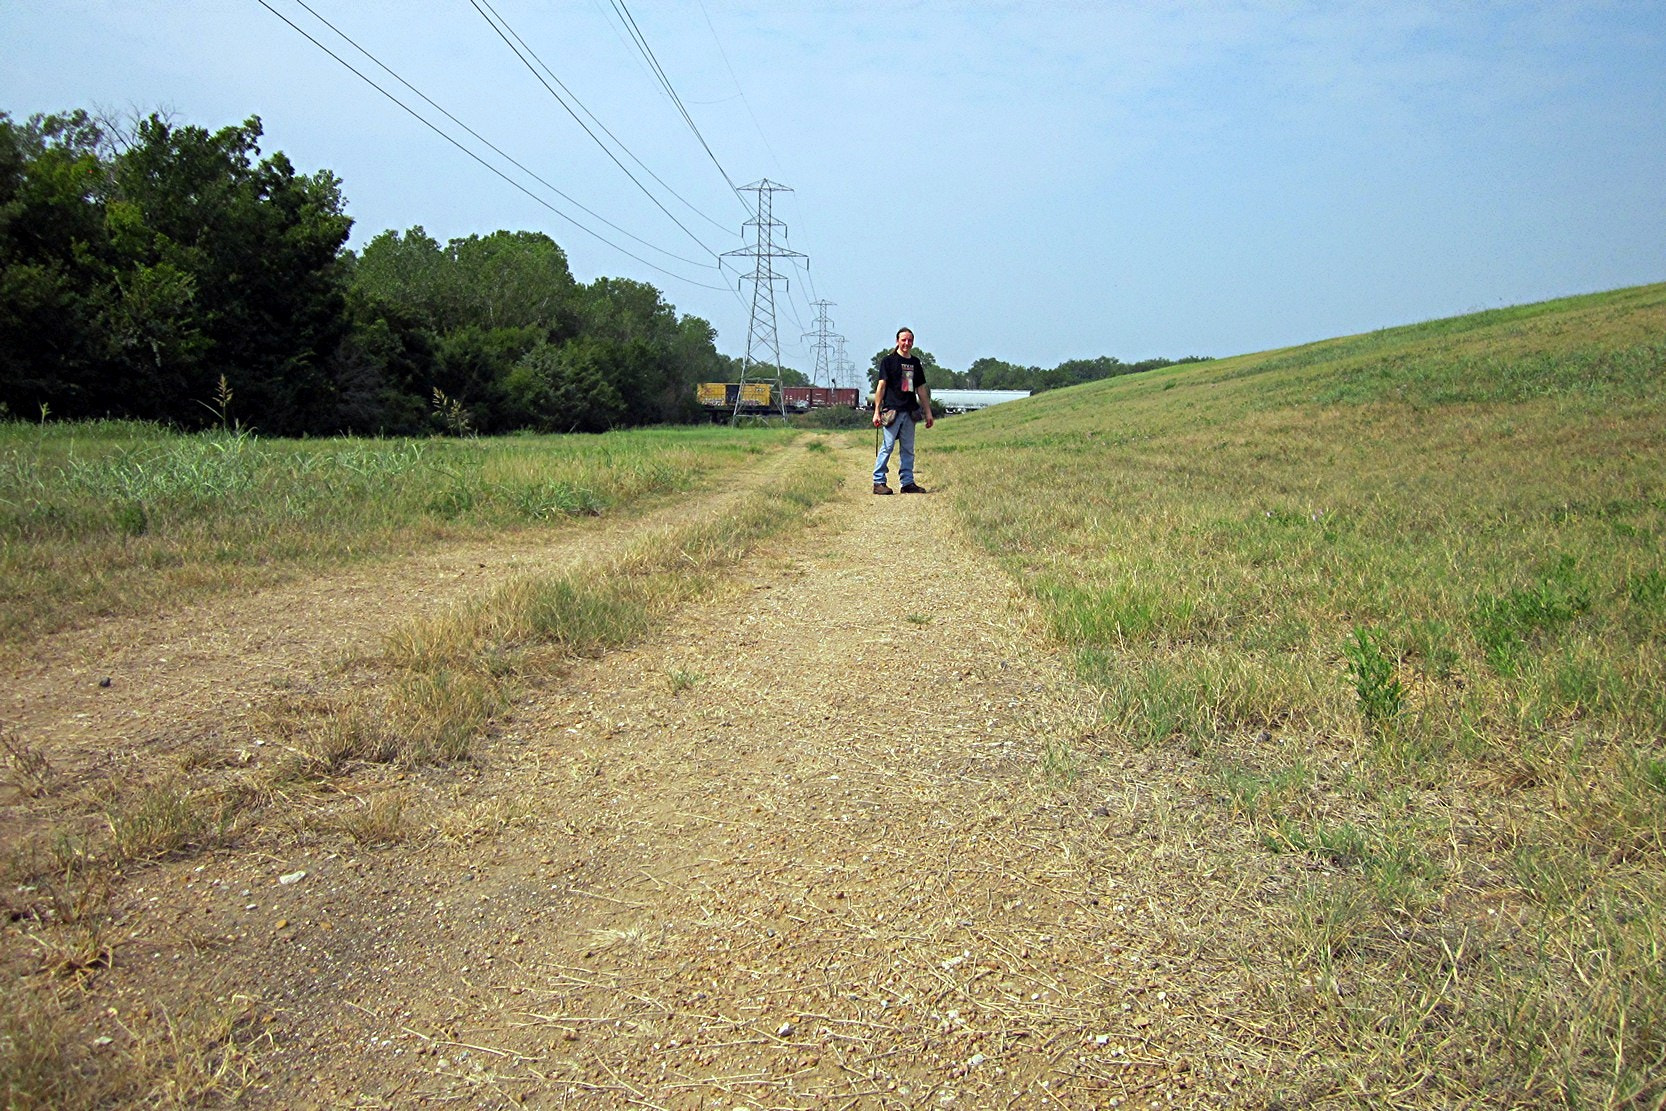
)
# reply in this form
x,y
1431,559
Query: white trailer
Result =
x,y
964,401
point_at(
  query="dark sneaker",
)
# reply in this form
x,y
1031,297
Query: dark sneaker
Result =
x,y
881,488
912,488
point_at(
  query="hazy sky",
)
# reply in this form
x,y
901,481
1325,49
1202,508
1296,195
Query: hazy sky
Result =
x,y
1029,181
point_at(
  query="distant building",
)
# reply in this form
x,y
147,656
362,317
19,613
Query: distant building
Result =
x,y
964,401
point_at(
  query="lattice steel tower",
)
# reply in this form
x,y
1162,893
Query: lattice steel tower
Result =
x,y
760,335
841,364
824,337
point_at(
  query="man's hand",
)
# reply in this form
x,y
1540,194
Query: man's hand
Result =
x,y
876,421
930,420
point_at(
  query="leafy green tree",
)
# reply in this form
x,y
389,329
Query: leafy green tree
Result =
x,y
564,389
472,365
408,271
1073,372
140,266
654,359
53,262
516,279
502,280
383,368
696,360
227,267
997,374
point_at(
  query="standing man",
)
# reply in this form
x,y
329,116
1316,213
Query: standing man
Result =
x,y
900,398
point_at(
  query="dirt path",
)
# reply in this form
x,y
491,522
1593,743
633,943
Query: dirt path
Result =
x,y
194,674
843,836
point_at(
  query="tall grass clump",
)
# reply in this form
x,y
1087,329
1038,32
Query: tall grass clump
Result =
x,y
1431,560
114,516
158,819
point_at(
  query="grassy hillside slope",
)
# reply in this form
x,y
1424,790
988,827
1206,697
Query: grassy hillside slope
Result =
x,y
1403,596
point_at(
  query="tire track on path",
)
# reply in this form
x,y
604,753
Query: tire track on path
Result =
x,y
805,848
194,674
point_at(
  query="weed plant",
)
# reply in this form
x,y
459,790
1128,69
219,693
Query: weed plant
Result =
x,y
1425,570
111,516
1377,689
158,819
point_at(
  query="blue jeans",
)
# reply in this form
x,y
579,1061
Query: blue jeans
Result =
x,y
899,431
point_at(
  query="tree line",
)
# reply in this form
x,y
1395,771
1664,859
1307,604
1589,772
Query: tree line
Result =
x,y
165,272
169,273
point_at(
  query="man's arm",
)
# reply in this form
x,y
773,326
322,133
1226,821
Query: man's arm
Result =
x,y
925,400
878,401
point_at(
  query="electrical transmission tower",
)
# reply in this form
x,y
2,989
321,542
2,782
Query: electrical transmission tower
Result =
x,y
760,335
842,368
824,337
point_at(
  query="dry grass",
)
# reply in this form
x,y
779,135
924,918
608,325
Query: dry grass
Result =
x,y
201,1054
820,902
458,669
152,820
67,919
42,1064
379,820
1343,827
120,517
28,768
326,773
486,819
1422,570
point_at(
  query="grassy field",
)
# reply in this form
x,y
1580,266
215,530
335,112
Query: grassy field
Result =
x,y
1400,599
112,517
223,511
1404,596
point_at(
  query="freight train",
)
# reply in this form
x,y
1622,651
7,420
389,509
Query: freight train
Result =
x,y
758,398
803,398
719,398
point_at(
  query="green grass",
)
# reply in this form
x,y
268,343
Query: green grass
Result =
x,y
1433,559
115,517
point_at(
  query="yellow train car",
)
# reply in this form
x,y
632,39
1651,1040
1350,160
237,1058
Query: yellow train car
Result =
x,y
719,398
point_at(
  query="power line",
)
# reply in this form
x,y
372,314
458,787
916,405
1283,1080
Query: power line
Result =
x,y
843,368
489,144
808,278
724,54
493,169
802,263
648,53
558,99
792,306
597,121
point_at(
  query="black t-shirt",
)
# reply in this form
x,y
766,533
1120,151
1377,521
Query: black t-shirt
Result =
x,y
902,375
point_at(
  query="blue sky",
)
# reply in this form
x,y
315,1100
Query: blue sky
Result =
x,y
1028,181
